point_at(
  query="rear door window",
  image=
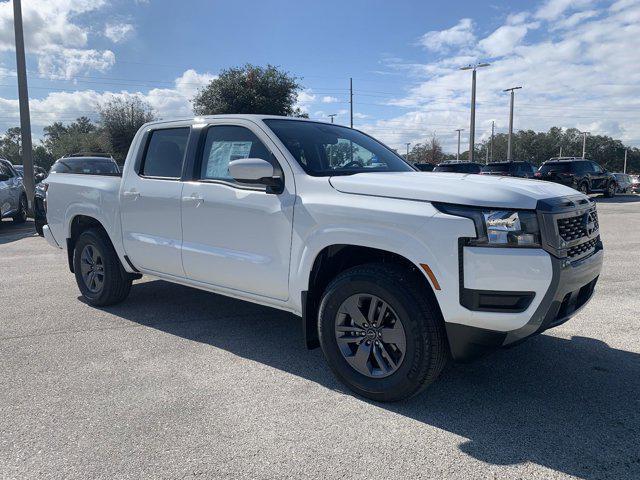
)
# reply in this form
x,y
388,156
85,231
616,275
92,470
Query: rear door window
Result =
x,y
165,153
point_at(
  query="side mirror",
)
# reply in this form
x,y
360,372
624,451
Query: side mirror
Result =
x,y
255,170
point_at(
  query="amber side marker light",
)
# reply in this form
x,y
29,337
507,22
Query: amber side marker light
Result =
x,y
431,276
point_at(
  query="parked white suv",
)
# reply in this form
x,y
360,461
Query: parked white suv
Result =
x,y
393,271
13,199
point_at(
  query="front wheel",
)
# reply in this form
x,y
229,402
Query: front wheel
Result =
x,y
611,190
99,275
21,215
380,333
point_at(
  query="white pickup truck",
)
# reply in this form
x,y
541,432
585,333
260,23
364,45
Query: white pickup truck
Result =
x,y
393,271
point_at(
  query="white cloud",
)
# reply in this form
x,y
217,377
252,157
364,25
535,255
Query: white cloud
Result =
x,y
503,40
551,9
329,99
456,36
581,76
118,32
54,36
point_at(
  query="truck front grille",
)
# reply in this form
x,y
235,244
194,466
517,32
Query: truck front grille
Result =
x,y
573,228
583,248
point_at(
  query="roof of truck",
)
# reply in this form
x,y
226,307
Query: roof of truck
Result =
x,y
244,116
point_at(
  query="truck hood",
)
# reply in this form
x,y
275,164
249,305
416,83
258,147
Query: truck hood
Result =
x,y
457,188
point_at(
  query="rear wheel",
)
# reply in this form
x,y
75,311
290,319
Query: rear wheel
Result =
x,y
99,275
21,215
611,190
380,334
584,188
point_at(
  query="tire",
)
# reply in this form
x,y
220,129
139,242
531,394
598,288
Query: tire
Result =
x,y
425,345
611,190
21,216
110,284
584,188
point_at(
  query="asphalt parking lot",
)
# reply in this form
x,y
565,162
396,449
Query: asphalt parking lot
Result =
x,y
179,383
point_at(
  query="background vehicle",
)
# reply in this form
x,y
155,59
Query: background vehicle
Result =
x,y
635,183
13,199
510,169
39,173
425,167
392,271
88,165
584,175
458,167
623,181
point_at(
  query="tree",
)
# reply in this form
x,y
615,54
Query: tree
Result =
x,y
121,118
250,89
80,136
427,152
11,146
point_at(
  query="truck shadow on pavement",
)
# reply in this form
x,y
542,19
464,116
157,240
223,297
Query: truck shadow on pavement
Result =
x,y
569,405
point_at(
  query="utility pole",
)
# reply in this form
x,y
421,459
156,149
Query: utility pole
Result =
x,y
584,143
509,156
408,150
331,116
560,151
23,96
351,100
493,128
472,123
624,170
458,152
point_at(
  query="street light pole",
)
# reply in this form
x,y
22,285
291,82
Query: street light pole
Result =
x,y
624,170
509,156
351,101
408,143
331,116
472,122
493,127
23,96
584,143
458,153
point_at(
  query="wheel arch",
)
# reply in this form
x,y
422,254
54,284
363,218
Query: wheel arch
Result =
x,y
336,258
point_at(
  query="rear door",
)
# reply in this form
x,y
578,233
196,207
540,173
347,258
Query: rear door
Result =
x,y
237,236
150,202
599,177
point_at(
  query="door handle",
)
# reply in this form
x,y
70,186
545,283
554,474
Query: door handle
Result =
x,y
131,194
195,198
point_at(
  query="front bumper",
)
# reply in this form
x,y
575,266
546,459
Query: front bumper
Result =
x,y
571,289
573,270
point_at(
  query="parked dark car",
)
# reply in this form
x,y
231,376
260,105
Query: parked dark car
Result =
x,y
510,169
88,165
458,167
425,167
579,173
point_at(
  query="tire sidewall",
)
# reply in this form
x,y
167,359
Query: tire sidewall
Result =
x,y
89,237
416,347
21,216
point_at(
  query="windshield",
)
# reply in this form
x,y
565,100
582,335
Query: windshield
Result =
x,y
323,150
496,167
555,167
93,166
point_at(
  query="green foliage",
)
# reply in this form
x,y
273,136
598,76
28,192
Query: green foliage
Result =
x,y
80,136
427,152
120,119
250,89
10,146
537,147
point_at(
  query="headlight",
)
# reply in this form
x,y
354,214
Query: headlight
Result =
x,y
497,227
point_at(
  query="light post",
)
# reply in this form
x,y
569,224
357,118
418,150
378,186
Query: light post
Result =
x,y
584,143
331,116
408,143
458,152
472,123
509,157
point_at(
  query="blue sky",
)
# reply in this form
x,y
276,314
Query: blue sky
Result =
x,y
575,59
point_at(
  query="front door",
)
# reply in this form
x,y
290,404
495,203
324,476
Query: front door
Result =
x,y
150,203
237,236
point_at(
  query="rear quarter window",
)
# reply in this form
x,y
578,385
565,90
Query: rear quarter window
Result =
x,y
164,153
